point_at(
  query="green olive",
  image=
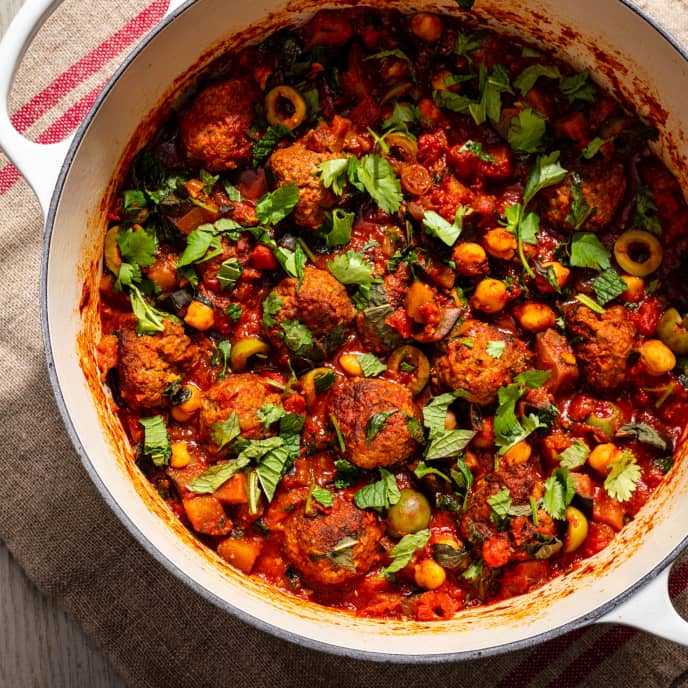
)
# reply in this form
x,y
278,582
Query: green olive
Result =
x,y
409,515
607,418
672,330
243,350
638,252
410,360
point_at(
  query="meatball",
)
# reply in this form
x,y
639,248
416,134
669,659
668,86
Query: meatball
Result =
x,y
296,164
335,546
149,364
604,344
242,394
372,416
467,365
602,186
320,303
214,130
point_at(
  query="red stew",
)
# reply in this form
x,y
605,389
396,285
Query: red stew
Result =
x,y
390,315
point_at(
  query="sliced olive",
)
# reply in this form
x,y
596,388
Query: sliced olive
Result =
x,y
607,418
409,515
401,147
672,330
315,381
243,350
412,362
285,105
639,253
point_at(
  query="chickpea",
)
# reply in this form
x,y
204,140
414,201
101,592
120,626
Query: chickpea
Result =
x,y
490,296
429,574
350,365
184,411
657,357
439,82
180,455
519,453
470,259
535,317
602,457
428,27
561,275
635,289
200,315
500,243
577,529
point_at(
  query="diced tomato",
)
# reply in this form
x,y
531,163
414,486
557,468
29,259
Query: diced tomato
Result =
x,y
436,604
523,576
647,316
599,536
496,551
401,322
262,258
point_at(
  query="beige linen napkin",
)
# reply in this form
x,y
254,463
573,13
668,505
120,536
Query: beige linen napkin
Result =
x,y
154,629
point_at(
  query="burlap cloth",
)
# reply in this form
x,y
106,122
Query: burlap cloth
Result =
x,y
156,631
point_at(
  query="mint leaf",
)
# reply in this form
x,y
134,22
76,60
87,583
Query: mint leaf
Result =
x,y
403,551
271,307
402,115
376,422
229,273
643,433
201,244
399,54
580,211
224,431
322,496
150,319
447,443
224,348
500,503
526,131
468,42
156,440
378,495
452,101
214,477
371,365
527,78
264,147
608,285
292,262
275,205
297,337
577,87
347,474
592,305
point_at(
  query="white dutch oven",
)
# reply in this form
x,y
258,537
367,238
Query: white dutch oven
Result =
x,y
626,583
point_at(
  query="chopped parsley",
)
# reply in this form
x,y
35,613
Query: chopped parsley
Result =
x,y
526,131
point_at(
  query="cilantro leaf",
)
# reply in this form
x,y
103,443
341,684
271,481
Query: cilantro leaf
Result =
x,y
378,178
580,211
587,251
297,337
403,551
578,87
593,148
527,78
402,115
201,244
399,54
156,440
526,131
575,455
351,268
340,223
378,495
150,319
334,173
608,285
560,489
265,146
623,477
347,474
137,246
292,262
476,148
275,205
234,311
371,365
645,215
500,503
214,477
495,348
223,432
491,88
546,172
271,307
322,496
376,422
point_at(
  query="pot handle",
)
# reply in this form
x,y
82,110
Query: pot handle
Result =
x,y
650,609
39,163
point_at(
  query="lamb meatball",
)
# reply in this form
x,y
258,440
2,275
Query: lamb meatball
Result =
x,y
214,129
602,186
320,303
242,394
149,364
316,545
354,404
467,365
604,344
296,164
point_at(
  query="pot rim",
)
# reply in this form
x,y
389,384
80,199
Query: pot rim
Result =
x,y
166,561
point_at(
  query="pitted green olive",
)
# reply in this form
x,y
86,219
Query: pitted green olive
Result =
x,y
672,330
607,417
638,252
409,515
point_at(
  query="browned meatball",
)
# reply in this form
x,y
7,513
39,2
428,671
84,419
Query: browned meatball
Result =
x,y
296,164
467,365
604,344
358,405
335,546
242,394
214,130
320,303
602,186
149,364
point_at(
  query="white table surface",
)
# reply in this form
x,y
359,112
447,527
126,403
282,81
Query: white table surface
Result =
x,y
40,646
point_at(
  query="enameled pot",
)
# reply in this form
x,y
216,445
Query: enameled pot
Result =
x,y
75,181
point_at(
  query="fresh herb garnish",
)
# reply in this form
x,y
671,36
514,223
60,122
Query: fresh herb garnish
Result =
x,y
371,365
608,285
229,273
560,489
275,205
527,78
378,495
526,131
623,477
264,147
403,551
214,477
297,337
223,432
376,422
574,456
435,225
156,440
587,251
